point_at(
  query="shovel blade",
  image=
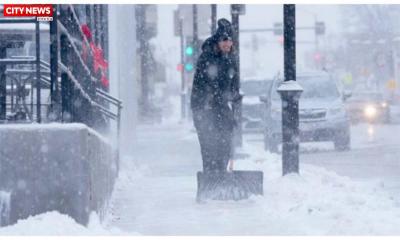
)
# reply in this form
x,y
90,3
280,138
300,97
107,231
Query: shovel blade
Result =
x,y
235,185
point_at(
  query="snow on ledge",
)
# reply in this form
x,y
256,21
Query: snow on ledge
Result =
x,y
53,127
290,85
47,126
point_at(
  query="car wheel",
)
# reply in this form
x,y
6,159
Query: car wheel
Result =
x,y
342,140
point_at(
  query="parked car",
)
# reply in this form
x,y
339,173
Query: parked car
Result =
x,y
252,107
322,114
368,107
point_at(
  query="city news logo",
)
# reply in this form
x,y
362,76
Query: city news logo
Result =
x,y
42,12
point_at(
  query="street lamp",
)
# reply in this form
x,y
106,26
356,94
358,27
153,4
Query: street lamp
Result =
x,y
290,92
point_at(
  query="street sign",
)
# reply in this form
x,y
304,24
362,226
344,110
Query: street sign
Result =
x,y
151,19
203,18
147,14
239,9
319,28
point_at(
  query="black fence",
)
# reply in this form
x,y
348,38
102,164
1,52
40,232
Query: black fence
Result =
x,y
65,89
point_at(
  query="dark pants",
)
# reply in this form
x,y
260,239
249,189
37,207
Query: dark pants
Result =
x,y
215,141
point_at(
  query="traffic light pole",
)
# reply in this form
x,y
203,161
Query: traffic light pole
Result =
x,y
195,33
237,106
290,92
196,46
183,93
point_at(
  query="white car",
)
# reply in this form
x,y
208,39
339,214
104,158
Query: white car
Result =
x,y
322,114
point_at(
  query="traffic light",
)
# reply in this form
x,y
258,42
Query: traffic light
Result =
x,y
188,67
189,51
189,58
319,28
281,40
179,67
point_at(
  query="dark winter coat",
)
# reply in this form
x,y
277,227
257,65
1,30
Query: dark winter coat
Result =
x,y
215,84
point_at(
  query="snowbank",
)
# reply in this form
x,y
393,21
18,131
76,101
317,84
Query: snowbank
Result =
x,y
54,223
320,202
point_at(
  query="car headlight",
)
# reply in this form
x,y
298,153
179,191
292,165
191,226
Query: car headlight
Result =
x,y
384,104
370,111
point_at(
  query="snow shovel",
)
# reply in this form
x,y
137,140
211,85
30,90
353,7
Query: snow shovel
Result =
x,y
228,185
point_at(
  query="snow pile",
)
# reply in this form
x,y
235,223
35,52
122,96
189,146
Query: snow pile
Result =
x,y
55,223
320,202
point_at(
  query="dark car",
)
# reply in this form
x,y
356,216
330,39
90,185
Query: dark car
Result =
x,y
368,107
322,114
252,107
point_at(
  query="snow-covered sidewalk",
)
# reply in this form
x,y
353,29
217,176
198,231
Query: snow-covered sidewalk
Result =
x,y
156,195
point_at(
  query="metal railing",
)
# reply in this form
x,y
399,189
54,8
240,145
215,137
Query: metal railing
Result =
x,y
71,86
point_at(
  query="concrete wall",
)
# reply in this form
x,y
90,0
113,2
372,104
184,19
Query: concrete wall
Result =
x,y
63,167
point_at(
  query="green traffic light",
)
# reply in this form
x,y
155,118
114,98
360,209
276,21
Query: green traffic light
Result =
x,y
189,51
188,67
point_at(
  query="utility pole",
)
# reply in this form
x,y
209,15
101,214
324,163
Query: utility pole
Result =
x,y
143,53
290,93
213,18
195,33
196,46
235,11
183,93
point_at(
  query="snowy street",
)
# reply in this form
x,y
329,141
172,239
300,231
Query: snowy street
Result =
x,y
155,194
372,156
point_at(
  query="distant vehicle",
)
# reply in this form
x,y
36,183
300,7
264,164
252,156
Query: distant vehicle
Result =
x,y
322,114
368,107
252,107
